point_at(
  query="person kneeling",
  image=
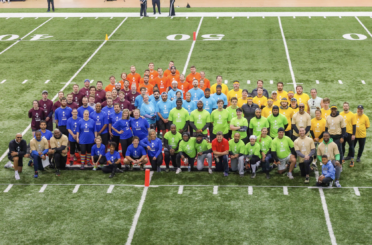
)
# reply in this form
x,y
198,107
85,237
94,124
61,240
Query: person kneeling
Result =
x,y
237,152
58,145
135,155
220,147
328,173
113,161
39,147
253,153
204,150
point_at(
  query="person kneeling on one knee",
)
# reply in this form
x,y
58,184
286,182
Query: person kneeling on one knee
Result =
x,y
328,172
204,151
236,152
113,161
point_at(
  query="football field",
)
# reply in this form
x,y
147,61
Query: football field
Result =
x,y
329,53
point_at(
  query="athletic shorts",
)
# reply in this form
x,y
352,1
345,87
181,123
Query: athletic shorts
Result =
x,y
162,126
20,162
153,126
283,162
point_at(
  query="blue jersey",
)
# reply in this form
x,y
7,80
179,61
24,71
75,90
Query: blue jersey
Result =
x,y
72,125
140,127
153,100
135,153
138,101
123,124
156,146
97,151
62,115
47,135
189,106
164,108
113,119
220,96
209,104
86,131
81,110
101,119
108,111
196,94
112,157
172,94
149,110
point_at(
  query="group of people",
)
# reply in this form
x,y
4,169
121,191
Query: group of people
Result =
x,y
167,116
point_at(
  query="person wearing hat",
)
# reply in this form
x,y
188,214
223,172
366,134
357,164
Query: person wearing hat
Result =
x,y
200,120
47,105
235,92
294,105
276,120
301,119
239,125
260,99
224,88
237,152
163,109
220,96
314,102
268,110
260,85
336,127
187,150
305,149
283,152
274,96
253,154
172,140
167,72
85,90
257,123
203,151
280,91
220,148
208,102
249,108
220,119
196,93
172,92
349,137
179,116
287,111
362,124
244,98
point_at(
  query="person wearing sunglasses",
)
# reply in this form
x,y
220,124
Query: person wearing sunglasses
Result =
x,y
301,119
17,151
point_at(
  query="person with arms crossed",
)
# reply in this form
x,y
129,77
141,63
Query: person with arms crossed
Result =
x,y
139,125
168,71
260,99
302,97
70,103
200,120
148,110
316,131
220,148
58,149
76,96
163,109
253,155
36,114
180,117
237,152
265,143
172,140
244,99
249,108
315,102
328,173
220,119
287,111
102,122
305,149
39,148
172,93
122,127
154,150
362,124
85,137
135,155
268,110
207,83
84,107
220,96
62,114
208,102
161,82
301,119
224,88
257,123
239,125
193,75
196,93
133,77
98,154
47,105
72,124
349,137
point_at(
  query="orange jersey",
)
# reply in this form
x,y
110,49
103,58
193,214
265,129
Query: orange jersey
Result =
x,y
134,79
122,83
207,84
191,77
149,87
167,72
185,87
109,87
151,81
173,78
162,83
153,74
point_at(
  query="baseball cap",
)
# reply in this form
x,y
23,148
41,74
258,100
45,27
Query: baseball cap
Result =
x,y
360,107
280,129
275,107
45,92
333,107
274,92
293,99
285,99
218,86
164,93
86,80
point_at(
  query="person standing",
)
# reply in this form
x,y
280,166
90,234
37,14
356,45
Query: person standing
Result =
x,y
171,142
276,120
349,137
283,153
122,127
264,91
257,123
220,119
265,142
50,2
171,8
239,125
180,117
17,151
200,120
101,119
314,103
72,124
249,108
113,118
143,8
36,114
62,114
362,124
156,2
85,137
139,125
47,105
336,127
287,111
305,149
300,119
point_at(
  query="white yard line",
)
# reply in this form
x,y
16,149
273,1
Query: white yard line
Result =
x,y
8,188
138,213
356,190
248,81
192,47
339,81
365,28
25,36
25,81
250,190
328,220
285,190
42,189
271,81
363,82
317,81
76,188
72,78
3,81
215,190
111,187
180,189
47,81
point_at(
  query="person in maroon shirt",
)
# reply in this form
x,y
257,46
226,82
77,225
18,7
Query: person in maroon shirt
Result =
x,y
114,96
71,103
108,95
85,90
131,97
100,93
36,114
220,147
124,104
126,88
47,106
76,96
118,87
57,104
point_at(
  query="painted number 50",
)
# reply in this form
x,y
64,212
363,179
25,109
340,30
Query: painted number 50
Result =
x,y
206,37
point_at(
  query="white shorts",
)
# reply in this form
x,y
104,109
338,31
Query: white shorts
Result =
x,y
283,162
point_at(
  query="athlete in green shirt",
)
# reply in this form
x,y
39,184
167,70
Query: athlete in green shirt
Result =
x,y
276,120
179,116
200,120
257,123
237,152
265,142
282,149
203,151
253,153
187,149
239,125
171,144
220,119
232,111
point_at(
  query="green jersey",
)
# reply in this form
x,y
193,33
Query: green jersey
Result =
x,y
282,146
179,117
237,148
173,139
188,147
251,150
258,124
239,122
232,111
220,120
265,143
203,146
200,118
275,123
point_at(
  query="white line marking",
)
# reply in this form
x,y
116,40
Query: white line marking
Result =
x,y
172,17
96,17
180,189
356,190
294,17
25,81
36,18
76,188
156,17
263,17
215,190
42,189
232,17
111,18
317,81
138,213
26,35
192,46
8,17
8,188
91,81
111,187
247,17
3,81
339,81
365,28
226,81
363,82
287,53
248,81
271,81
81,17
309,17
66,18
72,78
186,17
22,18
325,17
47,81
328,220
250,190
285,190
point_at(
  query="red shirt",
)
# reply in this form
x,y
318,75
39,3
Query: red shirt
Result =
x,y
220,146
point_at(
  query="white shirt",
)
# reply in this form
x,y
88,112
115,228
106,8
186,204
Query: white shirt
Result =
x,y
314,104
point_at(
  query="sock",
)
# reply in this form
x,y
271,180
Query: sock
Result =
x,y
253,168
71,158
16,171
35,172
82,159
88,158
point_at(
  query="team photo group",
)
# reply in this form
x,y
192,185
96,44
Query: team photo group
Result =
x,y
166,117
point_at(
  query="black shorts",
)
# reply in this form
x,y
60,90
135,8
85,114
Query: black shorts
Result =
x,y
153,126
162,125
20,162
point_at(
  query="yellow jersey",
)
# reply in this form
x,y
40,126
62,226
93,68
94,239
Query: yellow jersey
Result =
x,y
233,93
349,120
241,102
282,94
303,98
260,101
276,102
325,113
288,113
318,127
295,110
224,89
362,123
266,112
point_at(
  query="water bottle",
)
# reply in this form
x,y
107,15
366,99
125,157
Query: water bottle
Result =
x,y
189,168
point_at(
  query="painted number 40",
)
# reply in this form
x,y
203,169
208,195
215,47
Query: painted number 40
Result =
x,y
206,37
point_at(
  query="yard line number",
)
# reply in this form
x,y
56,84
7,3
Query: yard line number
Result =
x,y
206,37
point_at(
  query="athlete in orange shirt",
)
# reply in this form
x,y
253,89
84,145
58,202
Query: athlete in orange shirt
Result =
x,y
133,77
147,85
193,75
206,82
153,74
167,72
111,86
173,76
147,73
123,78
184,86
161,82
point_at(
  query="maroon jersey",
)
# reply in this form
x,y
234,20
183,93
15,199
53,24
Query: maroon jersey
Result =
x,y
56,105
100,96
47,107
126,92
36,116
125,105
132,97
73,105
77,98
115,100
84,91
104,103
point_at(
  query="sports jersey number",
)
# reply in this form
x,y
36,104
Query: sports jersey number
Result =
x,y
212,37
354,36
206,37
12,37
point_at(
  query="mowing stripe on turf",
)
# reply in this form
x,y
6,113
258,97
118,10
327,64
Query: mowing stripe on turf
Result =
x,y
192,47
215,190
76,188
42,189
287,53
356,190
138,213
365,28
285,190
328,220
25,36
180,189
111,187
250,190
8,188
72,78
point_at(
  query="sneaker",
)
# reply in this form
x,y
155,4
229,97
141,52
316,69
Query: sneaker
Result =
x,y
337,183
94,169
131,167
330,184
314,166
253,175
358,159
118,170
16,175
82,167
58,173
158,169
36,175
167,170
268,176
178,170
141,167
112,175
347,158
89,165
351,164
210,171
8,165
225,174
290,176
307,180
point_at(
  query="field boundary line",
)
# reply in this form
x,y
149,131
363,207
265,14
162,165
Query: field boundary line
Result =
x,y
138,213
25,36
365,28
72,78
327,218
192,46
